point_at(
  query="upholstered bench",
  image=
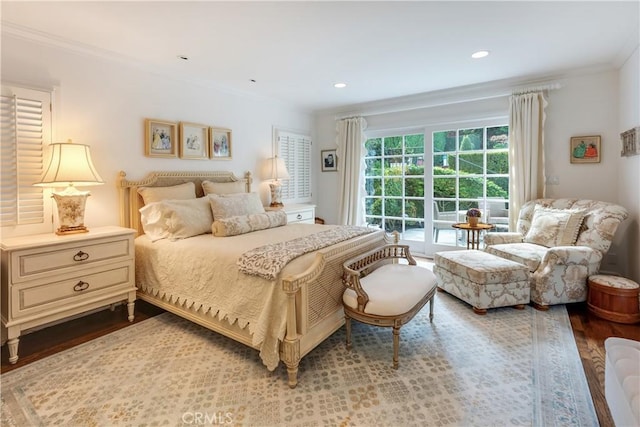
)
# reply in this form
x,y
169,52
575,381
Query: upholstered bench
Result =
x,y
614,298
482,279
385,287
622,380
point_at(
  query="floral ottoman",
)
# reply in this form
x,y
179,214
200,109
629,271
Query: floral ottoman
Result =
x,y
482,279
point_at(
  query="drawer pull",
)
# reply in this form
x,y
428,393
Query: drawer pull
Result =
x,y
81,286
299,216
81,256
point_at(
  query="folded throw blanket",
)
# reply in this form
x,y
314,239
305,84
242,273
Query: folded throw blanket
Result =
x,y
267,261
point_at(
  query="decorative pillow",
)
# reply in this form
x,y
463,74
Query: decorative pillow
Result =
x,y
175,192
226,205
554,227
223,187
176,219
241,224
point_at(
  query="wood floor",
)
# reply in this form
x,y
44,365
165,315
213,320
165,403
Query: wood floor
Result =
x,y
589,331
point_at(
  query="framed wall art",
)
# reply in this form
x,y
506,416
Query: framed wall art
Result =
x,y
585,149
194,141
160,138
220,143
630,142
329,160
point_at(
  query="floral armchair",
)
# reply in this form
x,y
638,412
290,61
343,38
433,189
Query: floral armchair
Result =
x,y
563,242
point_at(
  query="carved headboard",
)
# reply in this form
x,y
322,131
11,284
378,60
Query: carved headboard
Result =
x,y
130,201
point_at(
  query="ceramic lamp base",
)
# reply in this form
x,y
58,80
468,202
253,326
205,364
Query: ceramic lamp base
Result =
x,y
71,203
276,194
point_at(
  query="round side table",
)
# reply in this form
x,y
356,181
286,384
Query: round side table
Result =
x,y
614,298
473,233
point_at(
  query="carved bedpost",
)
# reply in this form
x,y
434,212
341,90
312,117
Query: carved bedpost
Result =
x,y
290,349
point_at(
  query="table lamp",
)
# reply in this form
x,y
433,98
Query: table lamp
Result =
x,y
70,165
275,169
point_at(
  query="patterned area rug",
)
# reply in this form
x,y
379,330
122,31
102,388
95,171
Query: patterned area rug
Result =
x,y
510,367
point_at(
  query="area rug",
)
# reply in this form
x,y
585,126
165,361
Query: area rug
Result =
x,y
507,368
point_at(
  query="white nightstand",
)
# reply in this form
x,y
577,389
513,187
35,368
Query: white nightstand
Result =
x,y
47,277
300,213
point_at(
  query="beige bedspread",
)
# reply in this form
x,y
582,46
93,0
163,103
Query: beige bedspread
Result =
x,y
201,272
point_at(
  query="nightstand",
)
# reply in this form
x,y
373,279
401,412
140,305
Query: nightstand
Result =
x,y
46,277
300,213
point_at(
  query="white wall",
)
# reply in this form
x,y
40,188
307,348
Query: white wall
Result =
x,y
629,168
585,105
103,103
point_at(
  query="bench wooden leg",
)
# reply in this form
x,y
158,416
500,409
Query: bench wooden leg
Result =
x,y
396,346
431,310
347,324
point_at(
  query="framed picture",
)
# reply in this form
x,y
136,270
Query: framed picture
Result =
x,y
160,138
221,143
329,160
194,141
585,149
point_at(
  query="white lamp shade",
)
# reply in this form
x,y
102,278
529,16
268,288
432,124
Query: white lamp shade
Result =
x,y
275,168
70,164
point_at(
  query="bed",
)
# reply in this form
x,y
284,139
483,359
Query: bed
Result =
x,y
285,314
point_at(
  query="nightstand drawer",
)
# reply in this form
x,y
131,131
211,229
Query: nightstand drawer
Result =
x,y
32,263
300,216
30,299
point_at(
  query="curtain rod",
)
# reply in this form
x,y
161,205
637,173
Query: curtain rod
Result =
x,y
541,88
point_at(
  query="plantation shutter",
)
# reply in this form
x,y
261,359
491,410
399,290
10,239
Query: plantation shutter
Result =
x,y
26,127
295,150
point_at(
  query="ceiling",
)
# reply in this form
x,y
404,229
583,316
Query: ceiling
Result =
x,y
296,51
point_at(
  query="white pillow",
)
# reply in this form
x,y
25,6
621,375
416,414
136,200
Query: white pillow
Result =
x,y
176,219
241,224
554,227
228,205
175,192
223,187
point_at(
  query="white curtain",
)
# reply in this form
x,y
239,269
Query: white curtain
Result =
x,y
350,141
526,151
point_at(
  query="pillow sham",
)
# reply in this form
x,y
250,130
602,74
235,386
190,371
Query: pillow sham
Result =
x,y
176,219
554,227
242,224
223,187
174,192
227,205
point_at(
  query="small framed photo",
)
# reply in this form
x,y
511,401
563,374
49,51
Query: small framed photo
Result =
x,y
329,160
160,138
585,149
220,143
194,141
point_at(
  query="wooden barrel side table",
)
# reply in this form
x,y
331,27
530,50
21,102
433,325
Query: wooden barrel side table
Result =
x,y
614,298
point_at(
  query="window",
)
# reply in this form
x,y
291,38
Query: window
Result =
x,y
466,166
394,182
26,129
470,170
295,149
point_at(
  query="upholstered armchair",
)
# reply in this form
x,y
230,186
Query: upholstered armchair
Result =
x,y
563,242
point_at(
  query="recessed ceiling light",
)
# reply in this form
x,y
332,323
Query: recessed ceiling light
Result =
x,y
183,57
340,85
479,54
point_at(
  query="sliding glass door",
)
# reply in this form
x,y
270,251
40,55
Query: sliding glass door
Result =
x,y
467,166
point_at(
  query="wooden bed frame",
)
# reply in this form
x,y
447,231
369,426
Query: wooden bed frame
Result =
x,y
314,297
